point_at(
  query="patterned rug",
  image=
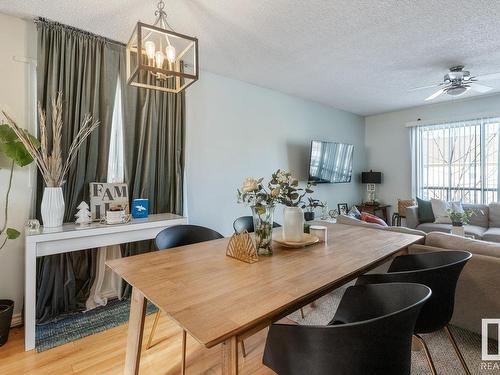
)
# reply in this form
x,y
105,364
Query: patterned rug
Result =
x,y
441,349
80,325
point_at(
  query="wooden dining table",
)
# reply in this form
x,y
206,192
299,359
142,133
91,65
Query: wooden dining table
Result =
x,y
219,300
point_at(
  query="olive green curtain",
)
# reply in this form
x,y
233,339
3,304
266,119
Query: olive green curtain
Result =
x,y
84,67
154,137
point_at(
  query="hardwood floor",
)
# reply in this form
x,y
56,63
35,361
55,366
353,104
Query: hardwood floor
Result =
x,y
104,353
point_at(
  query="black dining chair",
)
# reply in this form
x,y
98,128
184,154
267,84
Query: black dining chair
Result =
x,y
369,334
180,235
246,223
439,271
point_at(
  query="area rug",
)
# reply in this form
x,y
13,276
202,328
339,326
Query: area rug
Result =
x,y
441,349
80,325
117,312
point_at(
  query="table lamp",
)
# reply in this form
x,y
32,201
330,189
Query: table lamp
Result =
x,y
370,179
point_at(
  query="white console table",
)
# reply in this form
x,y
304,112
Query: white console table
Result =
x,y
50,241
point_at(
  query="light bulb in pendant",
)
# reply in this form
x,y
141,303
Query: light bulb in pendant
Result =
x,y
170,50
150,49
159,57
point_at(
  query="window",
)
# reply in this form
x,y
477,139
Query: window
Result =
x,y
115,159
457,160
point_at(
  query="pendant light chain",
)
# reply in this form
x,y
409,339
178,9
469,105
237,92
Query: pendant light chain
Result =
x,y
162,16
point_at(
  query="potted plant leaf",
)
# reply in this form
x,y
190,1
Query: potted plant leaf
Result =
x,y
16,153
459,219
309,208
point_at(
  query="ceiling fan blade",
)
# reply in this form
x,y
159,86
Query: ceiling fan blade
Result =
x,y
489,76
435,95
479,88
426,87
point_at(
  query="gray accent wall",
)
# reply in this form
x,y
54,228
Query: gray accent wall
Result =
x,y
235,130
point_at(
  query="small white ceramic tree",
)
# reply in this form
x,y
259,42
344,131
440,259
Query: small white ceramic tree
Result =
x,y
83,215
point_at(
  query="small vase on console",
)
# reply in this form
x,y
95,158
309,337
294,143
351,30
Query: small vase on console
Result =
x,y
293,224
52,208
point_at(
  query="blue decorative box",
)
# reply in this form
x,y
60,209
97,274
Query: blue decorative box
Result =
x,y
140,208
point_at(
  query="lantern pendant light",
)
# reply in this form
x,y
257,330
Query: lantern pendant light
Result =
x,y
159,58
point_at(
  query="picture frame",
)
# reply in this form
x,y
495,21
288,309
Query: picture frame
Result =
x,y
343,208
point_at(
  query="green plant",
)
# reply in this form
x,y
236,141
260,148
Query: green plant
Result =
x,y
461,218
312,204
290,194
282,188
13,148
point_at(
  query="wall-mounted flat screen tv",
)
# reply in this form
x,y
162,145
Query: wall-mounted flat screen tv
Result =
x,y
330,162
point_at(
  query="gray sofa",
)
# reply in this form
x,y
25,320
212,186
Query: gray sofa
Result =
x,y
483,226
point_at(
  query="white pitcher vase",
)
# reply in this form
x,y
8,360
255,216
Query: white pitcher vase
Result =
x,y
293,224
52,208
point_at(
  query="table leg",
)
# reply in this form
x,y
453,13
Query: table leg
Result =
x,y
135,330
29,296
230,356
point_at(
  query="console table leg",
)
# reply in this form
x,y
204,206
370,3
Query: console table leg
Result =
x,y
29,296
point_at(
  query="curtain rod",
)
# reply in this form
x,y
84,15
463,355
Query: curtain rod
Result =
x,y
46,22
465,117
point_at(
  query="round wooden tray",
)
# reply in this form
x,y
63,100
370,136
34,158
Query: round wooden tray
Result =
x,y
307,239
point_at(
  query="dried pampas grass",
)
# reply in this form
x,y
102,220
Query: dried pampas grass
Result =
x,y
50,163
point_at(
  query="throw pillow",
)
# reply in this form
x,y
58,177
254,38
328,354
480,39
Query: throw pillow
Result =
x,y
424,211
369,218
440,210
354,212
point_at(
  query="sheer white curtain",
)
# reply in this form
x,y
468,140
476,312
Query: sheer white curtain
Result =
x,y
457,160
107,284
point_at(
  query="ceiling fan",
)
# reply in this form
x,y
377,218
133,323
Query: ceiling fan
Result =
x,y
458,81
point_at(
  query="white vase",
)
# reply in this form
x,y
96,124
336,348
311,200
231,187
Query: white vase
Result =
x,y
52,208
458,231
293,224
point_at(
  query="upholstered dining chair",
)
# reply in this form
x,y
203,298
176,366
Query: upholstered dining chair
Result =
x,y
440,272
371,333
180,235
246,223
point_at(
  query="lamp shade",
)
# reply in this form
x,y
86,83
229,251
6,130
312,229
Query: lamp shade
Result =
x,y
371,177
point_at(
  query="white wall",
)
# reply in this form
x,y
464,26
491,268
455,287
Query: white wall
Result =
x,y
388,140
235,130
17,38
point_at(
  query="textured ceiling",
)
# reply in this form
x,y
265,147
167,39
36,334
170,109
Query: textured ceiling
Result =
x,y
357,55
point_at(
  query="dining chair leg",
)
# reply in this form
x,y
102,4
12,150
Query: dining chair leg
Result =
x,y
183,361
302,313
153,329
427,354
243,350
457,350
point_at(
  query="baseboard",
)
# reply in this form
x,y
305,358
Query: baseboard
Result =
x,y
17,320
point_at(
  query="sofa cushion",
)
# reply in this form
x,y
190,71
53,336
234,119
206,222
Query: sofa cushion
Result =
x,y
475,230
451,242
492,235
354,212
425,214
369,218
494,215
440,210
481,218
434,227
